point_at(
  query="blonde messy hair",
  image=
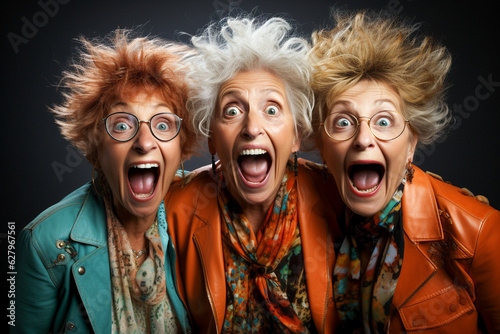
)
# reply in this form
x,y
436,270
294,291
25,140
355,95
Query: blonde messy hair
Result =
x,y
117,69
368,46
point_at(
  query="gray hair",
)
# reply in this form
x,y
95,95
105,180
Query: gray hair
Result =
x,y
241,44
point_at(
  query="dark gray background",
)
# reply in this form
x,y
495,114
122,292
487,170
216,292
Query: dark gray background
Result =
x,y
32,145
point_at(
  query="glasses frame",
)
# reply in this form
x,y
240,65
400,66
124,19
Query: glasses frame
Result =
x,y
139,125
358,124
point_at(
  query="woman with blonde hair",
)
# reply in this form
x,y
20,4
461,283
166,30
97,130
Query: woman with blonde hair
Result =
x,y
417,254
101,259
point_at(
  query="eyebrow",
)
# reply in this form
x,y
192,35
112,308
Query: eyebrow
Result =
x,y
379,101
237,93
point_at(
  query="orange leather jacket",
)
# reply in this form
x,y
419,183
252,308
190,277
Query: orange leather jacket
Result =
x,y
194,226
451,272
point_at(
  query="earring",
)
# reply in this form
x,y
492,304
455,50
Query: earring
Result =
x,y
214,168
324,171
409,172
295,164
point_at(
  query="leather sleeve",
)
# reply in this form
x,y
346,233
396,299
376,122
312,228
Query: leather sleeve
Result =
x,y
485,271
36,293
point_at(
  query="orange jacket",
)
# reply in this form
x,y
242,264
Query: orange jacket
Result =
x,y
194,226
451,271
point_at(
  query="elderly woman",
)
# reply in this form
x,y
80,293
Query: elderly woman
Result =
x,y
101,259
417,254
251,234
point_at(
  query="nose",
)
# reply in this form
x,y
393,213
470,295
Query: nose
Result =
x,y
364,138
144,141
252,126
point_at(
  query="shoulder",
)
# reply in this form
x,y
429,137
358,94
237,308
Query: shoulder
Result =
x,y
56,222
316,183
463,216
65,210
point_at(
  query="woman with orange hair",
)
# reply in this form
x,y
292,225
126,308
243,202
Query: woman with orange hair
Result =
x,y
101,259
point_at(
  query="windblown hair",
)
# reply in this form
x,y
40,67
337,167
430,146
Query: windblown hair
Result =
x,y
241,44
368,46
115,69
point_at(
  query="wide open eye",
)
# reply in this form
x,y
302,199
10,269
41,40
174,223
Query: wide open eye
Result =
x,y
232,111
272,110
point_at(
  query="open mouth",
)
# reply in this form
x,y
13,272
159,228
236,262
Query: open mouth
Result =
x,y
143,179
365,178
254,165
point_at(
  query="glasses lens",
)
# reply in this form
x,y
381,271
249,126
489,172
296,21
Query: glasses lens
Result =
x,y
121,126
165,126
387,125
341,126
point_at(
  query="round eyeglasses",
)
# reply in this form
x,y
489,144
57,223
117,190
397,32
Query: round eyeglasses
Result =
x,y
384,125
123,126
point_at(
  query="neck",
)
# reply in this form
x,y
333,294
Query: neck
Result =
x,y
135,227
256,215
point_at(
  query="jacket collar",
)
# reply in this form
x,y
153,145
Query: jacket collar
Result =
x,y
90,224
421,223
420,211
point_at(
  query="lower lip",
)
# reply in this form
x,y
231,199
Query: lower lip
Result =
x,y
364,194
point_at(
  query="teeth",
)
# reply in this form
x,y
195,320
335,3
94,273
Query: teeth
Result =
x,y
256,151
144,166
145,195
364,191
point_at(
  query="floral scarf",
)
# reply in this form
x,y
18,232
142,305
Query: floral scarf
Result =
x,y
140,303
265,276
382,236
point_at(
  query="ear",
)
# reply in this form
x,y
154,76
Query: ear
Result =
x,y
412,146
296,142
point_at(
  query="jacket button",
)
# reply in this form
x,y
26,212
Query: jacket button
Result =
x,y
70,326
462,301
453,307
61,257
81,270
60,244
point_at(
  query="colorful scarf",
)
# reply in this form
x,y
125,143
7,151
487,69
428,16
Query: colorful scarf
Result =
x,y
382,236
265,272
140,303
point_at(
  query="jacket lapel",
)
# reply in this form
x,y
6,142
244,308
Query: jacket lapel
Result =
x,y
421,223
317,247
91,271
208,241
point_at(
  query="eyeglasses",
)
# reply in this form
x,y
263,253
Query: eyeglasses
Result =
x,y
384,125
123,126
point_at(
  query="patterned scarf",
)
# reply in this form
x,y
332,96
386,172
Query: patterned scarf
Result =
x,y
140,303
382,236
265,272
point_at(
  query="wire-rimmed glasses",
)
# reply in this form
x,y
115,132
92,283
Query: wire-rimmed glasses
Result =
x,y
384,125
123,126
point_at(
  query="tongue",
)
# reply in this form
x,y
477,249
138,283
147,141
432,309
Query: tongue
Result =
x,y
142,181
254,168
364,178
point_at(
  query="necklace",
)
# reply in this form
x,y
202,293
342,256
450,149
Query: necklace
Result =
x,y
140,253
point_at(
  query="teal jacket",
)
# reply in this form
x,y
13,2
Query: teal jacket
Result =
x,y
63,282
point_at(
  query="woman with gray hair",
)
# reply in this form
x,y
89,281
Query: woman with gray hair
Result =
x,y
254,249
